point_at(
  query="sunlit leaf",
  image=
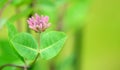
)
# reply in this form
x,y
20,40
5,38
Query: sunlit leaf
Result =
x,y
25,45
11,30
51,43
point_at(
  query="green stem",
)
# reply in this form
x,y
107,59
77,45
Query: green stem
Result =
x,y
25,67
35,60
32,64
12,65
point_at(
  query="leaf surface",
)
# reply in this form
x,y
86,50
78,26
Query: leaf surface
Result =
x,y
51,43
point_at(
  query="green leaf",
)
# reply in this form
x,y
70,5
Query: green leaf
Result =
x,y
7,55
11,33
25,45
51,43
11,30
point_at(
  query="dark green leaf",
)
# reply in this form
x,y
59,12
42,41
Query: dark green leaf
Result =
x,y
7,54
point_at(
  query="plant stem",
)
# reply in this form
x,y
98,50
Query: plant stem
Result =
x,y
25,67
32,64
38,48
12,65
35,60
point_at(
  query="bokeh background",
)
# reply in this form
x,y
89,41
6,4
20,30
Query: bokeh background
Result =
x,y
92,27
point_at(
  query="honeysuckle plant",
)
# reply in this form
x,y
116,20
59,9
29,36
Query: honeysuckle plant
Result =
x,y
28,49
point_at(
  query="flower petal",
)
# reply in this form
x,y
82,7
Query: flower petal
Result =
x,y
46,18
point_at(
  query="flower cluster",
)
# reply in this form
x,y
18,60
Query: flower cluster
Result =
x,y
38,23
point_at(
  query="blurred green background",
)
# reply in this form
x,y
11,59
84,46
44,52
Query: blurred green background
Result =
x,y
92,27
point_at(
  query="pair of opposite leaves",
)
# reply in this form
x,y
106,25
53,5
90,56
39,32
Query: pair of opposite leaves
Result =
x,y
27,48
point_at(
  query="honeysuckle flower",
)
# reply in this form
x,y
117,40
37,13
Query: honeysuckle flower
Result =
x,y
38,23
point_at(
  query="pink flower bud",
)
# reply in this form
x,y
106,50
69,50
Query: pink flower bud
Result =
x,y
38,23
